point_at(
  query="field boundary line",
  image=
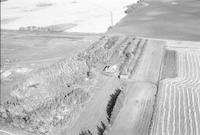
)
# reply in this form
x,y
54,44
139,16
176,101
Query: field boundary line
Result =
x,y
156,94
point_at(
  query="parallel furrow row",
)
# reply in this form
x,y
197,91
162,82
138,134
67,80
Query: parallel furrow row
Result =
x,y
178,107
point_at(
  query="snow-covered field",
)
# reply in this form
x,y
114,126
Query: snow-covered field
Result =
x,y
87,15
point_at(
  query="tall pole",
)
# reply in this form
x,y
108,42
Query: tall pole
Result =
x,y
111,18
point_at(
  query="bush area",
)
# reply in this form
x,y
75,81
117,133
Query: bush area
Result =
x,y
117,107
133,7
112,109
111,103
40,29
53,112
87,132
123,52
47,98
53,96
100,53
47,82
101,128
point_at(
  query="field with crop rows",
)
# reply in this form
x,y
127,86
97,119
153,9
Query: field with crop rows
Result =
x,y
177,110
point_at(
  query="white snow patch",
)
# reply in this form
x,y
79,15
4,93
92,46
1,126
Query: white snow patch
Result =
x,y
19,70
89,15
22,70
6,74
174,3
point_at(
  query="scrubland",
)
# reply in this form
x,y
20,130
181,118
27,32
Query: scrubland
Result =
x,y
53,96
119,85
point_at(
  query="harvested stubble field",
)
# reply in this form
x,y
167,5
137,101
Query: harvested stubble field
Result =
x,y
178,104
120,85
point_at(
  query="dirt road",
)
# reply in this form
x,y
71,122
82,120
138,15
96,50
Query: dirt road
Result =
x,y
134,117
2,132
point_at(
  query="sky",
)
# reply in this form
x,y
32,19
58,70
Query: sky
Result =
x,y
93,16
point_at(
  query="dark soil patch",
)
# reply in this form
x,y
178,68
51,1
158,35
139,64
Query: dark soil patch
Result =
x,y
3,0
169,69
44,4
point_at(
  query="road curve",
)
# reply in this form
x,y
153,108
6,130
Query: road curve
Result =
x,y
2,132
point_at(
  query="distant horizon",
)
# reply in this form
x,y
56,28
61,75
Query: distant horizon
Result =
x,y
45,13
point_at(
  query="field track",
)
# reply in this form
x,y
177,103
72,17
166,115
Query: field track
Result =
x,y
134,117
178,106
2,132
